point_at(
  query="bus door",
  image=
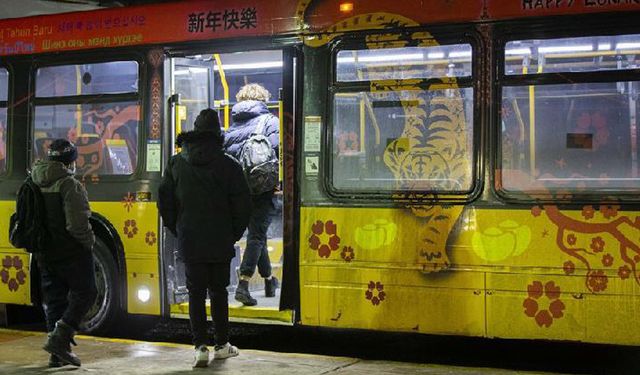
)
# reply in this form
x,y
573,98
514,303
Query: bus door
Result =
x,y
212,80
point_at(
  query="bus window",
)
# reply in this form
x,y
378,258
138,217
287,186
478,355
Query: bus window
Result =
x,y
4,95
403,136
409,62
571,136
105,130
88,79
584,54
202,84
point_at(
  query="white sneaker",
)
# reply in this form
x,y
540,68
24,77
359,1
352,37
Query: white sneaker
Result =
x,y
225,351
201,357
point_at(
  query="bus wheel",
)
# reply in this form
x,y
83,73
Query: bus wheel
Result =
x,y
105,309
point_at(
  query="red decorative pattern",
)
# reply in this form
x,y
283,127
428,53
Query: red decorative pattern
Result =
x,y
128,201
347,253
569,267
375,292
130,228
597,280
150,238
19,278
555,307
328,229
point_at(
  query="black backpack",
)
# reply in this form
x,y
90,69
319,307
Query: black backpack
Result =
x,y
259,161
27,226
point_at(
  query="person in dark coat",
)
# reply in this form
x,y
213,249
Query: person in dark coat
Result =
x,y
204,201
66,266
251,111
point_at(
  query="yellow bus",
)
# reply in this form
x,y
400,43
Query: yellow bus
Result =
x,y
448,167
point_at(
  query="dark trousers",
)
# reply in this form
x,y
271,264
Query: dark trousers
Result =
x,y
256,252
68,289
215,278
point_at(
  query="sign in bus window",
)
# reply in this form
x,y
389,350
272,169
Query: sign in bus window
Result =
x,y
405,140
4,94
106,134
114,77
570,136
404,63
584,54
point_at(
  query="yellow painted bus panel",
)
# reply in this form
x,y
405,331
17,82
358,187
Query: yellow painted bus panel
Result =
x,y
309,295
15,280
6,209
136,223
144,278
550,273
397,299
549,307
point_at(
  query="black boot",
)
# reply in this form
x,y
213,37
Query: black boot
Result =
x,y
243,295
59,343
270,286
54,361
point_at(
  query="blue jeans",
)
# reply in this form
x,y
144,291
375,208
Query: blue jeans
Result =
x,y
213,277
256,253
68,289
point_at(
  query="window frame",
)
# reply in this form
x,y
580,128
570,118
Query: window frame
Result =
x,y
506,34
446,35
137,97
5,104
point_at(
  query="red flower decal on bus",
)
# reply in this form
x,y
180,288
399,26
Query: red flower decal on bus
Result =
x,y
555,307
128,201
19,276
609,211
569,267
607,260
624,272
588,212
375,292
130,228
322,230
597,244
536,211
347,253
150,238
597,281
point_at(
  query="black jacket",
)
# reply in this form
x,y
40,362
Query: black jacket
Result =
x,y
67,211
204,199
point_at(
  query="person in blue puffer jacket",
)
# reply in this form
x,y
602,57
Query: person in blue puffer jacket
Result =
x,y
250,111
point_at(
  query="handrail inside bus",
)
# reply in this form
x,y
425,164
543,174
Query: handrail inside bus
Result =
x,y
225,88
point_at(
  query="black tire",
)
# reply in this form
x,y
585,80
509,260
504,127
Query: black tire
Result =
x,y
105,309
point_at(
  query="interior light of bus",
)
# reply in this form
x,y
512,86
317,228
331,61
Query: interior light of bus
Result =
x,y
249,66
554,49
190,70
518,51
435,55
604,46
459,54
383,58
346,7
628,45
144,294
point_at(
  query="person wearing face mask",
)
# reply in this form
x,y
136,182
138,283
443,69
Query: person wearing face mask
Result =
x,y
66,266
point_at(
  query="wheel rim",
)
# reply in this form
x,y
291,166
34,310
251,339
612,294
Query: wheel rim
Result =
x,y
101,304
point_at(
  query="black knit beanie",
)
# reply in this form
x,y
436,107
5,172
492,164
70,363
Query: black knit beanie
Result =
x,y
63,151
207,121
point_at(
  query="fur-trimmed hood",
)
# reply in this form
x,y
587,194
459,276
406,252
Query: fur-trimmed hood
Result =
x,y
200,148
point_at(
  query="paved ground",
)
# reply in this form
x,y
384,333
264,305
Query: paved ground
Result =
x,y
20,353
